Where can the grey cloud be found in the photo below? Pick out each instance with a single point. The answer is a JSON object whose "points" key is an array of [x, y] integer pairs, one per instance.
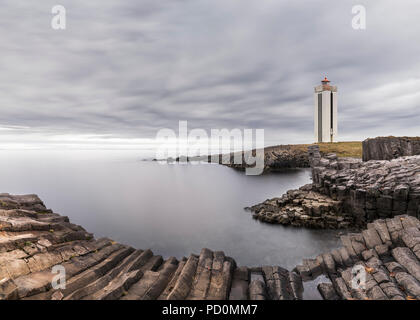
{"points": [[127, 69]]}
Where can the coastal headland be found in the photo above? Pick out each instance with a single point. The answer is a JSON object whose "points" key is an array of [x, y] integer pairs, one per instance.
{"points": [[278, 158]]}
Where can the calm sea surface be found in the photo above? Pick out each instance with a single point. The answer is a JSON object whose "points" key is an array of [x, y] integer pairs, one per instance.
{"points": [[173, 209]]}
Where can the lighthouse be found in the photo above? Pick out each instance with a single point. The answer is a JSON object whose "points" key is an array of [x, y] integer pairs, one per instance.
{"points": [[325, 115]]}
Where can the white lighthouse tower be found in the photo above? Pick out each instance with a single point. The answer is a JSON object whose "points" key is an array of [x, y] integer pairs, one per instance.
{"points": [[325, 115]]}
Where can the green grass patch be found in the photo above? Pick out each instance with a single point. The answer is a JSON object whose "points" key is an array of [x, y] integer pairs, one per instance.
{"points": [[342, 149]]}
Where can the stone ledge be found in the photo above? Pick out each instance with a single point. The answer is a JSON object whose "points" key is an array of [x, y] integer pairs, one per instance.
{"points": [[33, 240], [346, 192], [388, 250]]}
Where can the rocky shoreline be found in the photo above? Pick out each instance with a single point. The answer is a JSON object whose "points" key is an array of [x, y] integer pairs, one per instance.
{"points": [[386, 255], [276, 158], [303, 208], [33, 240], [347, 192]]}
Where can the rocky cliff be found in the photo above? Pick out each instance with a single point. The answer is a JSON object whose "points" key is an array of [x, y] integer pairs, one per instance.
{"points": [[278, 158], [348, 192], [373, 189], [275, 158], [387, 148]]}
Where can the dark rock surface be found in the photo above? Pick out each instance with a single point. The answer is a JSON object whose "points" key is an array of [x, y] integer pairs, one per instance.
{"points": [[387, 148]]}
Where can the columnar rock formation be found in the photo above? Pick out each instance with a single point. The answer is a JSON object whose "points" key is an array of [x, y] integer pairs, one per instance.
{"points": [[381, 263], [303, 208], [34, 239], [373, 189], [387, 148], [347, 191]]}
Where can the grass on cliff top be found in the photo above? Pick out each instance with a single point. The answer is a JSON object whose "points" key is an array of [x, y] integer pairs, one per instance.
{"points": [[341, 149]]}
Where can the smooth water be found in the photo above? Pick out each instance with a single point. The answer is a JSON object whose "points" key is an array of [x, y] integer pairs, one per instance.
{"points": [[173, 209]]}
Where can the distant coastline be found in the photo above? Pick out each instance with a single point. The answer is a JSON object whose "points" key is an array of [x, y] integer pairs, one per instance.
{"points": [[280, 157]]}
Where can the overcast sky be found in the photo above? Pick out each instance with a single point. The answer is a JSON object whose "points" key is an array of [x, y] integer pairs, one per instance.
{"points": [[122, 70]]}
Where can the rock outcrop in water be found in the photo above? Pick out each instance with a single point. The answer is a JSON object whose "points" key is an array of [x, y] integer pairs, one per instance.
{"points": [[373, 189], [385, 258], [303, 207], [34, 239], [387, 148], [348, 192]]}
